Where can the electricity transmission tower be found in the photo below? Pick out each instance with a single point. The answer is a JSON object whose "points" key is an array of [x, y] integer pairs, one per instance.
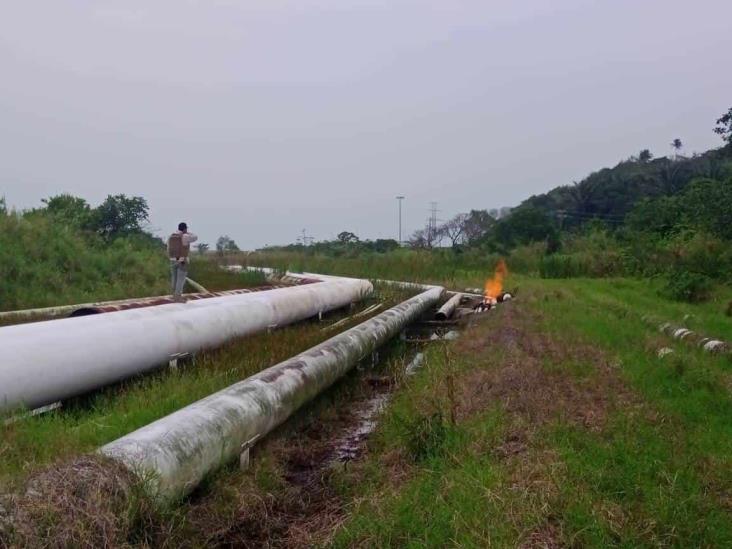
{"points": [[305, 239], [432, 223]]}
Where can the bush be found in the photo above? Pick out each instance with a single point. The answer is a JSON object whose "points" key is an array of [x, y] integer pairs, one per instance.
{"points": [[700, 252], [687, 286], [44, 263]]}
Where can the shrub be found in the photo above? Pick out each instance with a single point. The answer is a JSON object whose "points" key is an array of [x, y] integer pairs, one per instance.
{"points": [[560, 266], [687, 286], [700, 252], [45, 263]]}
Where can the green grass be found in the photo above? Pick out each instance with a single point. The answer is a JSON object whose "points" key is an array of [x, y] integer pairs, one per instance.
{"points": [[213, 278], [659, 473], [643, 297], [439, 266], [44, 264]]}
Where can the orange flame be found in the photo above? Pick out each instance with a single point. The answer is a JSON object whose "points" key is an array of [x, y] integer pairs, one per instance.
{"points": [[494, 286]]}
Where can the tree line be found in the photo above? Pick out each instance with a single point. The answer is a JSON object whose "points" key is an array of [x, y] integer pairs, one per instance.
{"points": [[640, 193]]}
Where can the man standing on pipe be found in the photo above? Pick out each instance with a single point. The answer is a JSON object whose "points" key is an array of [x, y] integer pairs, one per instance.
{"points": [[179, 247]]}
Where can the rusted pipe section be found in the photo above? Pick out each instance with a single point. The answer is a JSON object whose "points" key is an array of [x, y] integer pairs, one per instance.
{"points": [[120, 304], [179, 450], [47, 313], [111, 307], [44, 362], [447, 310], [65, 310]]}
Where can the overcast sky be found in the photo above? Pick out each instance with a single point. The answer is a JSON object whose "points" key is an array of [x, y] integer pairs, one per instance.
{"points": [[258, 118]]}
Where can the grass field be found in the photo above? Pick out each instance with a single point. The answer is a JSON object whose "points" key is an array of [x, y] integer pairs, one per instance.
{"points": [[569, 431], [551, 422]]}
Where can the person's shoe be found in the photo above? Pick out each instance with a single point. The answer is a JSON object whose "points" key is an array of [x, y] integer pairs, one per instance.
{"points": [[179, 299]]}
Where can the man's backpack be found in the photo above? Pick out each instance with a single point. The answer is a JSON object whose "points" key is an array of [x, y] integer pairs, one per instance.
{"points": [[176, 249]]}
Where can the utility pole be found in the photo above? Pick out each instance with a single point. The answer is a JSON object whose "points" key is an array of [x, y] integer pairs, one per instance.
{"points": [[400, 198], [432, 225]]}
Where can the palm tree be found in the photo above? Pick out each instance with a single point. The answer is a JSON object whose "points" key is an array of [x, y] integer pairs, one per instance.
{"points": [[677, 145], [582, 195]]}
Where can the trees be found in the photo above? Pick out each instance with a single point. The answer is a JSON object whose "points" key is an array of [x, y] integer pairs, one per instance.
{"points": [[582, 196], [704, 204], [524, 225], [655, 215], [645, 156], [346, 237], [707, 204], [671, 177], [202, 248], [420, 239], [225, 244], [454, 229], [70, 210], [724, 126], [477, 224], [676, 145], [119, 215], [383, 245]]}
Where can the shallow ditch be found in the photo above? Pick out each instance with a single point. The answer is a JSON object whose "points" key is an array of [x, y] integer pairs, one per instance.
{"points": [[324, 437]]}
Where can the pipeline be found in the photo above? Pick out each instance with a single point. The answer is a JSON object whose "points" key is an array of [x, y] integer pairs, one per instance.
{"points": [[177, 451], [111, 307], [80, 309], [447, 310], [273, 275], [44, 362], [708, 344], [196, 286]]}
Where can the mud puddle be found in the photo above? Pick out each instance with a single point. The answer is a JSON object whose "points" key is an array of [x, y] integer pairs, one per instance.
{"points": [[350, 445]]}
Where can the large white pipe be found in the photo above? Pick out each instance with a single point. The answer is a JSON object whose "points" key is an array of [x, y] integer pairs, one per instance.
{"points": [[44, 362], [177, 451]]}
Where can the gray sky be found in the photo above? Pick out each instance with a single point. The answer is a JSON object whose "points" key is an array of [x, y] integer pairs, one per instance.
{"points": [[259, 118]]}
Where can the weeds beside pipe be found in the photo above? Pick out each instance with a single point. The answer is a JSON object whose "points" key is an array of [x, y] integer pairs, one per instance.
{"points": [[179, 450]]}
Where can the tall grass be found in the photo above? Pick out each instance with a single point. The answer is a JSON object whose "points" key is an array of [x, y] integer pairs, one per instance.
{"points": [[44, 264], [454, 270]]}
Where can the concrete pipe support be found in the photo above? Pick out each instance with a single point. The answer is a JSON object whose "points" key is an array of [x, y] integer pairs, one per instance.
{"points": [[178, 450], [44, 362]]}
